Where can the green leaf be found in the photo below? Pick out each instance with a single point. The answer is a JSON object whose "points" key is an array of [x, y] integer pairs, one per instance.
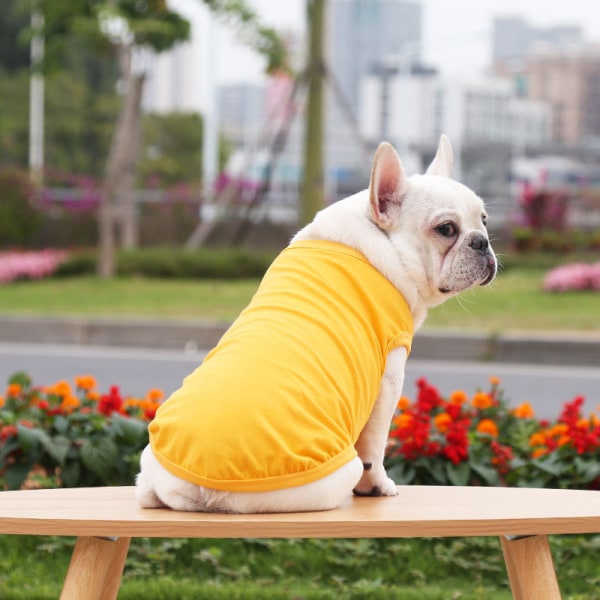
{"points": [[587, 470], [61, 424], [551, 465], [17, 473], [402, 473], [57, 447], [489, 475], [458, 474], [99, 456], [30, 437], [70, 474], [132, 431]]}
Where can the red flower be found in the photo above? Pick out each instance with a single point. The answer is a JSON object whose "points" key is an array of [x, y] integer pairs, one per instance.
{"points": [[110, 402], [428, 396]]}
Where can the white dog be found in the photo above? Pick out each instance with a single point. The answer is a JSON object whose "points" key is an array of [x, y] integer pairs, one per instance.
{"points": [[291, 410]]}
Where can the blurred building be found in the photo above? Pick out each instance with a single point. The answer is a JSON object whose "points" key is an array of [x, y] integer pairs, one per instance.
{"points": [[570, 83], [478, 112], [514, 39]]}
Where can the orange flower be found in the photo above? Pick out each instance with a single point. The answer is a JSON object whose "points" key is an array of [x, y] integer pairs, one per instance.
{"points": [[442, 422], [583, 424], [86, 382], [61, 388], [404, 403], [403, 421], [482, 400], [69, 403], [563, 440], [458, 397], [14, 389], [494, 380], [1, 401], [558, 430], [523, 411], [154, 395], [487, 427], [93, 395], [539, 452], [537, 439]]}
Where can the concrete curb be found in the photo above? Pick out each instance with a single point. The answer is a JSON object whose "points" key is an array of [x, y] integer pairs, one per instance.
{"points": [[574, 349]]}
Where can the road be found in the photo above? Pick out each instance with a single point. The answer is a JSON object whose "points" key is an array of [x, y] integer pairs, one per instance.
{"points": [[137, 370]]}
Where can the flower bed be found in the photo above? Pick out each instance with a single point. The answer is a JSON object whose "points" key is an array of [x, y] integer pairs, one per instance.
{"points": [[478, 440], [573, 277], [29, 265], [72, 435]]}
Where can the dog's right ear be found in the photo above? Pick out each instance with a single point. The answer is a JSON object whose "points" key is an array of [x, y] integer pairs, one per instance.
{"points": [[387, 186], [443, 159]]}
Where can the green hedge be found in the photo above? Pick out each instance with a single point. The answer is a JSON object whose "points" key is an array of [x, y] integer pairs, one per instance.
{"points": [[230, 263]]}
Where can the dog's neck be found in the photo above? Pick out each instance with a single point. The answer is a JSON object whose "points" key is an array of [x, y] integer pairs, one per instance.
{"points": [[348, 227]]}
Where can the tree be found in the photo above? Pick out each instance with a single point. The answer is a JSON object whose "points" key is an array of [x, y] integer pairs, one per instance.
{"points": [[313, 192], [127, 28]]}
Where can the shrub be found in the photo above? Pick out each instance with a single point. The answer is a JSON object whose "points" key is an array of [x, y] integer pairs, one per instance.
{"points": [[480, 441], [227, 263], [19, 219], [61, 435], [573, 277], [29, 265]]}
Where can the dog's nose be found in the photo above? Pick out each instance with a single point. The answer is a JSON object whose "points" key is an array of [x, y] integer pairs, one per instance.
{"points": [[479, 242]]}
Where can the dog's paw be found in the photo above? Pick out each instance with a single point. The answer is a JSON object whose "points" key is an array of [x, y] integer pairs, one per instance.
{"points": [[372, 484]]}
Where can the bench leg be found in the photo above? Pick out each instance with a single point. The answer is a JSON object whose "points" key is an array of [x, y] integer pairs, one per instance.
{"points": [[530, 568], [95, 569]]}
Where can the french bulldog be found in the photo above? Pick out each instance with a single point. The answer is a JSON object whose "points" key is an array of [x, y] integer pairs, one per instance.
{"points": [[291, 410]]}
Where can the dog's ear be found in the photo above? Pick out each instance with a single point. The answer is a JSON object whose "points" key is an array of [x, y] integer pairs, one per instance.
{"points": [[442, 161], [387, 186]]}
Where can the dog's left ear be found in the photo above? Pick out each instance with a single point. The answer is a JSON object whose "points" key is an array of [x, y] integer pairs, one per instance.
{"points": [[442, 161], [387, 186]]}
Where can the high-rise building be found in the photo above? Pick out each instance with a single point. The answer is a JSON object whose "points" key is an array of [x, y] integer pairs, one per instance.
{"points": [[364, 36], [514, 39]]}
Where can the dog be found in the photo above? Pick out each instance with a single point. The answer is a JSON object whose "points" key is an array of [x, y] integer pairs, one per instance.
{"points": [[291, 410]]}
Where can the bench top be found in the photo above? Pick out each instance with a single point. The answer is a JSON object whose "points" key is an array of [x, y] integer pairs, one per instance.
{"points": [[417, 511]]}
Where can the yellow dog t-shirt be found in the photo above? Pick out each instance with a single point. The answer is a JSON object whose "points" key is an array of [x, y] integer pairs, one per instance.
{"points": [[283, 397]]}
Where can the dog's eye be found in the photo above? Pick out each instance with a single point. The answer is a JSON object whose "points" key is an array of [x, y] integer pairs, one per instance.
{"points": [[447, 229], [484, 219]]}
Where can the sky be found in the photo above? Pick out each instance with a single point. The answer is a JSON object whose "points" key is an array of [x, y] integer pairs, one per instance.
{"points": [[456, 33]]}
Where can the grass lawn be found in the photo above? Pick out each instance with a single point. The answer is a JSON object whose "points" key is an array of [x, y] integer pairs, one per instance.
{"points": [[424, 569], [515, 301]]}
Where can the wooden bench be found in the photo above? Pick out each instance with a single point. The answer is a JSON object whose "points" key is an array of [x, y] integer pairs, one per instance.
{"points": [[105, 519]]}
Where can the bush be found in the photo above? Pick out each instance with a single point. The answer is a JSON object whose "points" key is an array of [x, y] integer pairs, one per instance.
{"points": [[29, 265], [72, 437], [229, 263], [480, 441], [19, 220]]}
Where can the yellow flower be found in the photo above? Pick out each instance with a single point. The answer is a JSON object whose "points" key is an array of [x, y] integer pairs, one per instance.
{"points": [[458, 397], [487, 427], [442, 422], [524, 411], [482, 400]]}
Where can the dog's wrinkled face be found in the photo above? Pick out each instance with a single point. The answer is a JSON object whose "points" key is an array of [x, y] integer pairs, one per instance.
{"points": [[436, 223]]}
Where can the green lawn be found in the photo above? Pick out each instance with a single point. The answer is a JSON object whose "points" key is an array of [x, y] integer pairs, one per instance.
{"points": [[424, 569], [515, 301]]}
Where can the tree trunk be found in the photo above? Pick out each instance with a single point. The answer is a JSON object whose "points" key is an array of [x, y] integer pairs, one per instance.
{"points": [[118, 201], [313, 191]]}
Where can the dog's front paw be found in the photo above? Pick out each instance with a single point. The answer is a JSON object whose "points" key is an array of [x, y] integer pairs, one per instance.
{"points": [[375, 484]]}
